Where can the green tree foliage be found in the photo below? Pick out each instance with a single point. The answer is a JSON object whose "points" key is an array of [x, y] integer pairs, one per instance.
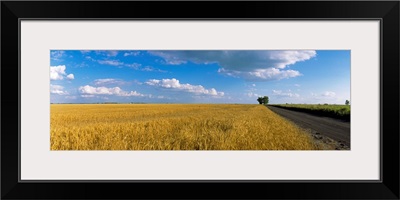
{"points": [[347, 102], [266, 100], [263, 100], [260, 100]]}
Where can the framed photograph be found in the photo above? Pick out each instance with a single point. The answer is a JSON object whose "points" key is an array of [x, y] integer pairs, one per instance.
{"points": [[247, 102]]}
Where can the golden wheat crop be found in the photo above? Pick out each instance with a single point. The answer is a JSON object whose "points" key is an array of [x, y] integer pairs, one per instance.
{"points": [[172, 127]]}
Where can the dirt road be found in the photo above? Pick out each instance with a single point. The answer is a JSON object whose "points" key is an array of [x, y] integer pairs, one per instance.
{"points": [[333, 128]]}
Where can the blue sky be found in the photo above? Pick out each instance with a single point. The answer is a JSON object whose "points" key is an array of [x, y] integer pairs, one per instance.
{"points": [[199, 76]]}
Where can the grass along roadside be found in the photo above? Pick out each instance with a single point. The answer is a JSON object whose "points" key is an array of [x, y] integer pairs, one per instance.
{"points": [[334, 111]]}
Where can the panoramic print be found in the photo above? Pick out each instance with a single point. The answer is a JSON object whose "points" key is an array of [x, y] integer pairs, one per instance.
{"points": [[199, 99]]}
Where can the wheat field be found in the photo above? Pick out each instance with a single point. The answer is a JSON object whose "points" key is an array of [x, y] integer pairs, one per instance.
{"points": [[173, 127]]}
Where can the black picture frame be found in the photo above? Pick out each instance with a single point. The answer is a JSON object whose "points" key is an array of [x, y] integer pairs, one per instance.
{"points": [[386, 11]]}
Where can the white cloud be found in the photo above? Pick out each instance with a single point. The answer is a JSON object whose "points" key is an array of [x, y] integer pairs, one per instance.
{"points": [[109, 81], [110, 62], [153, 82], [108, 53], [134, 65], [297, 85], [57, 72], [138, 66], [171, 57], [57, 89], [284, 94], [56, 55], [70, 77], [151, 69], [89, 90], [90, 58], [250, 65], [329, 94], [148, 69], [176, 85], [85, 51], [254, 85], [112, 53], [87, 95], [132, 53], [261, 74], [131, 93], [251, 94]]}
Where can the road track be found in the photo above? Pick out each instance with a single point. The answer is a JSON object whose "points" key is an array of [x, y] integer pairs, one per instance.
{"points": [[335, 129]]}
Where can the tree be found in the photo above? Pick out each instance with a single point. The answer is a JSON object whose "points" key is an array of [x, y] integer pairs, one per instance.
{"points": [[266, 100], [263, 100], [260, 100], [347, 102]]}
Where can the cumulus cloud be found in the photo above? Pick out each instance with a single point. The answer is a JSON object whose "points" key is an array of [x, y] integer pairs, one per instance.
{"points": [[70, 77], [284, 94], [85, 51], [176, 85], [57, 89], [58, 73], [117, 91], [250, 65]]}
